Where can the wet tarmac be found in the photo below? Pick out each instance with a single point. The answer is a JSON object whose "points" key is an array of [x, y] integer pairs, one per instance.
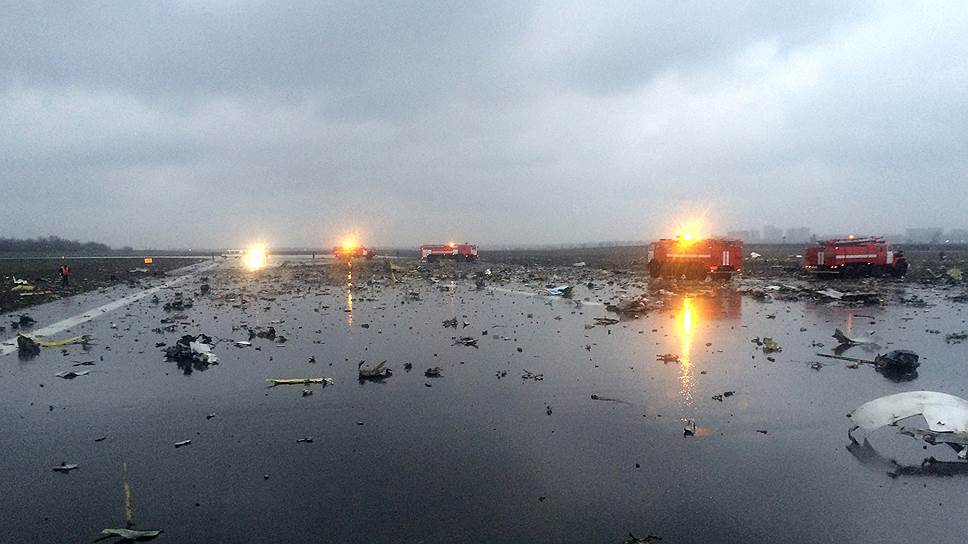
{"points": [[480, 453]]}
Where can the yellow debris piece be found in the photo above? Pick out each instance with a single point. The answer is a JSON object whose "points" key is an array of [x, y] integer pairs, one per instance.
{"points": [[54, 343]]}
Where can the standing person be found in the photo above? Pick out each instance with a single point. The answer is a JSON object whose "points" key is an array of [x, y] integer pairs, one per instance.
{"points": [[65, 274]]}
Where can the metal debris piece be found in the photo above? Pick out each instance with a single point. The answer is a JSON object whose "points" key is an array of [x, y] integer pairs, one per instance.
{"points": [[944, 413], [690, 428], [843, 339], [770, 346], [71, 374], [378, 372], [528, 375], [466, 341], [300, 381], [563, 290], [632, 539], [130, 535]]}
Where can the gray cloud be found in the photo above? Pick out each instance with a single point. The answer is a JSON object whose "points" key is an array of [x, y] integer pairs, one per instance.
{"points": [[193, 124]]}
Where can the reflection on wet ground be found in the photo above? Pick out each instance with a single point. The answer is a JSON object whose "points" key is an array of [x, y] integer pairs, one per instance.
{"points": [[349, 297], [485, 452]]}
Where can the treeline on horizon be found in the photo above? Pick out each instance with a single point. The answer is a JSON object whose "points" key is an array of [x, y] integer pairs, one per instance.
{"points": [[52, 245]]}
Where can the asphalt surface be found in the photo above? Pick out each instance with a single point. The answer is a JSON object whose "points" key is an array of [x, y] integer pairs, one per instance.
{"points": [[476, 456]]}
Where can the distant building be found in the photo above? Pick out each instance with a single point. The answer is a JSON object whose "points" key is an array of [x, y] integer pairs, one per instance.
{"points": [[747, 236], [797, 235], [957, 236], [772, 235], [923, 235]]}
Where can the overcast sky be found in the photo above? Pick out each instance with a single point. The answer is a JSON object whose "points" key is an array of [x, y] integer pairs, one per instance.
{"points": [[212, 124]]}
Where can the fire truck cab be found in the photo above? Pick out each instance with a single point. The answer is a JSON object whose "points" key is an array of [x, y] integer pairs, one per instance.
{"points": [[854, 257], [695, 259], [349, 252], [435, 252]]}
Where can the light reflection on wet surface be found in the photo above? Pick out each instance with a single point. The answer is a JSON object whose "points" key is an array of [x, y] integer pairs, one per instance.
{"points": [[349, 297], [686, 331]]}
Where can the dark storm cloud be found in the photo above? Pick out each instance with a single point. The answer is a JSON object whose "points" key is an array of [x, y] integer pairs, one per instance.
{"points": [[496, 122]]}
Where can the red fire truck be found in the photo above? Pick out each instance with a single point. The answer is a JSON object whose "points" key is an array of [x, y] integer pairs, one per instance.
{"points": [[695, 259], [348, 252], [854, 257], [434, 252]]}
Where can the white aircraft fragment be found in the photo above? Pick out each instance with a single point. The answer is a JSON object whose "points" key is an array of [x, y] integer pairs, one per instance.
{"points": [[944, 413], [559, 291]]}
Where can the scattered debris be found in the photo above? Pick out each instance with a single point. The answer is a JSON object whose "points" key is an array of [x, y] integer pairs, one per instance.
{"points": [[667, 358], [258, 332], [192, 352], [630, 306], [956, 337], [22, 322], [178, 303], [528, 375], [850, 298], [433, 372], [900, 364], [725, 394]]}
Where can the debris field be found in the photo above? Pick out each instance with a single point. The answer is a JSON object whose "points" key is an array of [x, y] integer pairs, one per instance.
{"points": [[392, 400]]}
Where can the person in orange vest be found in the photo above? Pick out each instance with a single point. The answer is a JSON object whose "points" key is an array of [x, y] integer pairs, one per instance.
{"points": [[65, 274]]}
